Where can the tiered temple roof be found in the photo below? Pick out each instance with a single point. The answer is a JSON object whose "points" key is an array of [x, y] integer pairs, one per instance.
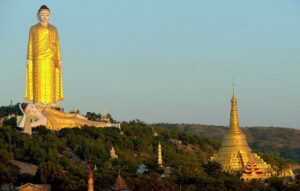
{"points": [[253, 171], [120, 184]]}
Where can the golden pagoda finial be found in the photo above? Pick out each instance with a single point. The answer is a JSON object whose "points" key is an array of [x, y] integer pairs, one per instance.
{"points": [[234, 119], [233, 87]]}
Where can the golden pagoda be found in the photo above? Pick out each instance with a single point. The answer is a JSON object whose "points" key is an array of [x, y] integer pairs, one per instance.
{"points": [[235, 153], [159, 156]]}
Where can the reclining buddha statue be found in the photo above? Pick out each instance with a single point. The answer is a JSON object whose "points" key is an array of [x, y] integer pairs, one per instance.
{"points": [[55, 119]]}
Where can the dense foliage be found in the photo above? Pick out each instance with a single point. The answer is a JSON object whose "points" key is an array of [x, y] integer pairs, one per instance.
{"points": [[61, 157]]}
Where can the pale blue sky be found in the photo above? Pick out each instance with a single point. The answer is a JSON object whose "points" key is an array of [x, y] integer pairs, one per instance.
{"points": [[166, 61]]}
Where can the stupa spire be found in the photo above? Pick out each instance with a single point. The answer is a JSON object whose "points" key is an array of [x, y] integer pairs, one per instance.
{"points": [[234, 119], [90, 177], [233, 87], [159, 157], [120, 184]]}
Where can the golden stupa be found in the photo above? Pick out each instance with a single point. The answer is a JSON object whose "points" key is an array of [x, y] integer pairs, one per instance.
{"points": [[235, 154]]}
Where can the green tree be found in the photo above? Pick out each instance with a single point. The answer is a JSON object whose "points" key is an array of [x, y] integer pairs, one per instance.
{"points": [[212, 168]]}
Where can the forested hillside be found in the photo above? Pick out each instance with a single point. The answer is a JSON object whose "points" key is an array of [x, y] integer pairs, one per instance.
{"points": [[61, 158], [269, 140]]}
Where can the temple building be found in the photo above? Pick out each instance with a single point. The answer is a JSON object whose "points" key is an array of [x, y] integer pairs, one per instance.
{"points": [[235, 154]]}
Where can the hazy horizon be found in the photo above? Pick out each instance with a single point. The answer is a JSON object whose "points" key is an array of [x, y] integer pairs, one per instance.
{"points": [[166, 61]]}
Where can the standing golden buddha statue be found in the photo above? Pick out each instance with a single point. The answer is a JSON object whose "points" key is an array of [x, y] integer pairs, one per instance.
{"points": [[44, 82], [43, 72]]}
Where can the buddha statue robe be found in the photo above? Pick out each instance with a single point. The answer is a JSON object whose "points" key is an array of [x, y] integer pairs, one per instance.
{"points": [[43, 74]]}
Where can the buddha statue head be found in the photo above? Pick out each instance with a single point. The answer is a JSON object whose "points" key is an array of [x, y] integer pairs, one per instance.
{"points": [[43, 14], [30, 109], [33, 113]]}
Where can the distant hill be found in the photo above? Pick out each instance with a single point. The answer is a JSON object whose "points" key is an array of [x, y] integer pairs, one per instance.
{"points": [[275, 140]]}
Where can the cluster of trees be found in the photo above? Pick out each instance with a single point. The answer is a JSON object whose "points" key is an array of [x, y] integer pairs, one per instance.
{"points": [[7, 110], [98, 117]]}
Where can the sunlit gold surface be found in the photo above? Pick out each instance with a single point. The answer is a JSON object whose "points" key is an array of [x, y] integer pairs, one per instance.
{"points": [[287, 172], [43, 75], [235, 152], [159, 157], [57, 120]]}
